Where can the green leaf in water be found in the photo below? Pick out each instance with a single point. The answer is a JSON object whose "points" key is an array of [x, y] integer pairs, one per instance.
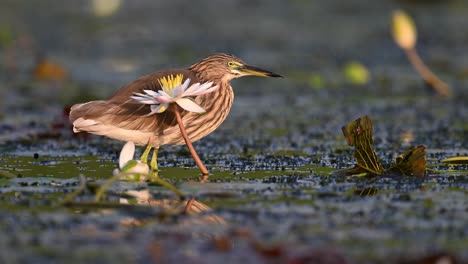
{"points": [[456, 160], [6, 174]]}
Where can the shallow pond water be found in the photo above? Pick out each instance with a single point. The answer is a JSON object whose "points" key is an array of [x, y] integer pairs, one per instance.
{"points": [[271, 196]]}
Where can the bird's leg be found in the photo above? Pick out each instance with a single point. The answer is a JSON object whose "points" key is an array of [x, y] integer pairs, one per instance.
{"points": [[144, 156], [154, 162], [189, 144]]}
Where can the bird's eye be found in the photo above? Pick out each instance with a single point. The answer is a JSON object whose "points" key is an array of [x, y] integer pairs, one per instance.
{"points": [[230, 64]]}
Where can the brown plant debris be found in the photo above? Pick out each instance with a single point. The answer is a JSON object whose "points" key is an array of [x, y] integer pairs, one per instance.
{"points": [[358, 133], [412, 162]]}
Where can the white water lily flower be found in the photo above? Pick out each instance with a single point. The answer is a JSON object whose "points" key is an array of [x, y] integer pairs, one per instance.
{"points": [[174, 91], [127, 164]]}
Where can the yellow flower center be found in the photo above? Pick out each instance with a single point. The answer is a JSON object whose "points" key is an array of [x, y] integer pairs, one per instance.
{"points": [[169, 82]]}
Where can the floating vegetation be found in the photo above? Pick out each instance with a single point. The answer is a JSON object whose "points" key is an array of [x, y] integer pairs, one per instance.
{"points": [[456, 160], [358, 134], [6, 174], [411, 163], [356, 73]]}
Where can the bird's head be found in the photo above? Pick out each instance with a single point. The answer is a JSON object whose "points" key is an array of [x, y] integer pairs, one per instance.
{"points": [[225, 67]]}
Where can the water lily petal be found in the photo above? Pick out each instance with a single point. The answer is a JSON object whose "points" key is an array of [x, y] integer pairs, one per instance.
{"points": [[189, 105], [192, 88], [203, 88], [158, 108], [164, 99], [166, 91], [177, 91], [206, 91], [206, 85], [144, 100], [185, 84], [126, 154], [200, 87], [144, 95], [163, 93], [151, 93]]}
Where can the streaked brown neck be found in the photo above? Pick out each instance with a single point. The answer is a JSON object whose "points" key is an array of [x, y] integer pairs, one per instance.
{"points": [[206, 72]]}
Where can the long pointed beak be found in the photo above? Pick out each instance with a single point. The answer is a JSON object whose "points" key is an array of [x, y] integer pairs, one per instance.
{"points": [[251, 70]]}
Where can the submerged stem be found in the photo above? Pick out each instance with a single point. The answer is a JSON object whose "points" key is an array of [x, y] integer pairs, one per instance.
{"points": [[71, 196], [168, 186], [102, 189]]}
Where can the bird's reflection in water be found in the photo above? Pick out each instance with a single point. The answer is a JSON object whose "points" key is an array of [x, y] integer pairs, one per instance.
{"points": [[199, 212]]}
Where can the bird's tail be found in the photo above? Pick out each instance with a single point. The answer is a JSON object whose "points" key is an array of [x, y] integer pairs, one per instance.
{"points": [[84, 115]]}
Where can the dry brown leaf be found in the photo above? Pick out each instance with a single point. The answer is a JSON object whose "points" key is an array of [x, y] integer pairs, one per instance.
{"points": [[358, 133], [410, 163]]}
